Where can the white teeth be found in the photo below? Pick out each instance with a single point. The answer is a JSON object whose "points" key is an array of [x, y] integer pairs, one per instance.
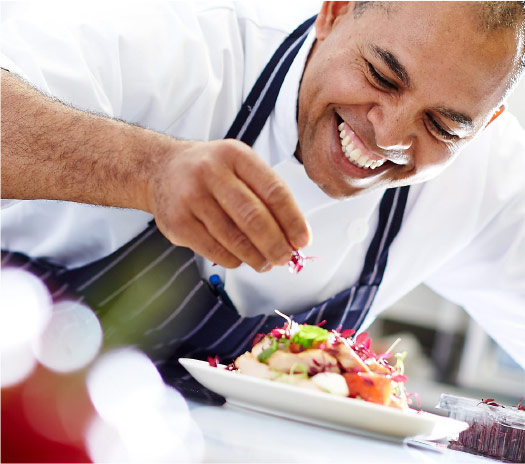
{"points": [[353, 153], [362, 160]]}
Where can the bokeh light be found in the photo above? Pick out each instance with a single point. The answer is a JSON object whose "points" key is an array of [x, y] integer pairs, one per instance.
{"points": [[123, 381], [72, 400], [25, 308], [17, 363], [72, 338], [140, 418]]}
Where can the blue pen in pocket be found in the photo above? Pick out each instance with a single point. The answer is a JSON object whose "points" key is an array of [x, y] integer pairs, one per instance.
{"points": [[218, 285]]}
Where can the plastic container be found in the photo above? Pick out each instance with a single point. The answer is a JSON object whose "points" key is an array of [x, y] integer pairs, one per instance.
{"points": [[497, 432]]}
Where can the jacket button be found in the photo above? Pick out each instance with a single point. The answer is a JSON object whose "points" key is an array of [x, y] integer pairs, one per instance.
{"points": [[358, 230]]}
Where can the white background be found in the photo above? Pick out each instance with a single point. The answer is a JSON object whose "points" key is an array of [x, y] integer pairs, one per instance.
{"points": [[517, 102]]}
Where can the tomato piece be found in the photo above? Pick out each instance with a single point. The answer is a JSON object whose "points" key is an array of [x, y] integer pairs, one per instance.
{"points": [[370, 387], [295, 347]]}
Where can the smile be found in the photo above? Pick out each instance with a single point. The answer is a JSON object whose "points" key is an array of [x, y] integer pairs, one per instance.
{"points": [[352, 152]]}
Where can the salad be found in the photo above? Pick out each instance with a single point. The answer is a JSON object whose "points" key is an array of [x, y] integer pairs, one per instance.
{"points": [[339, 363]]}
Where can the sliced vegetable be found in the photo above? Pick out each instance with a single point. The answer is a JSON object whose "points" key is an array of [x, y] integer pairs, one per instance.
{"points": [[308, 334], [370, 387], [263, 357]]}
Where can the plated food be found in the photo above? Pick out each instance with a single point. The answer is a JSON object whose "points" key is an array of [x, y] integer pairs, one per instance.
{"points": [[318, 408], [340, 363], [326, 378]]}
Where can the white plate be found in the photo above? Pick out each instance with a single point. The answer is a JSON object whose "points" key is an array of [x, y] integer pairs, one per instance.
{"points": [[320, 408]]}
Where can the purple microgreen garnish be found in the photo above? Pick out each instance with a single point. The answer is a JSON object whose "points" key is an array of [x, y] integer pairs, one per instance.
{"points": [[519, 406], [490, 402], [362, 339], [213, 361], [347, 333], [492, 438], [297, 261], [258, 337]]}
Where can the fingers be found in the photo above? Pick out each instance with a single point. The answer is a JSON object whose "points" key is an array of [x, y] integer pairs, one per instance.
{"points": [[227, 234], [219, 199], [278, 199], [201, 242], [259, 204], [251, 216]]}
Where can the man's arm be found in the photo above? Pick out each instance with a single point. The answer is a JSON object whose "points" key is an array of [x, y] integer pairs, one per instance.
{"points": [[52, 151], [218, 198]]}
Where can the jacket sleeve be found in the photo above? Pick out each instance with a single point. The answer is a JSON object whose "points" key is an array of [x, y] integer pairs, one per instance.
{"points": [[140, 63]]}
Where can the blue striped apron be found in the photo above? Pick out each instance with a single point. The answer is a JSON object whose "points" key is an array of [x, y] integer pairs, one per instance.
{"points": [[149, 293]]}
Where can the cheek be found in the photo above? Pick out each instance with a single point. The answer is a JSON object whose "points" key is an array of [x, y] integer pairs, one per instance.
{"points": [[346, 84], [333, 76]]}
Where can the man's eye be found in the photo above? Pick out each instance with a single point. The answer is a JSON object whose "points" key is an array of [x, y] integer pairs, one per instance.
{"points": [[441, 133], [379, 79]]}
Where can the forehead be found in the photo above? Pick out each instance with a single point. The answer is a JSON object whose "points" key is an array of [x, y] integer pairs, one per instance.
{"points": [[444, 48]]}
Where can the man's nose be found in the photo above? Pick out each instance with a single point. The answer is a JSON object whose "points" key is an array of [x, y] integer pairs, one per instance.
{"points": [[391, 128]]}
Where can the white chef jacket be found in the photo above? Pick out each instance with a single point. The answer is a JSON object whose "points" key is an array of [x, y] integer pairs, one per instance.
{"points": [[184, 69]]}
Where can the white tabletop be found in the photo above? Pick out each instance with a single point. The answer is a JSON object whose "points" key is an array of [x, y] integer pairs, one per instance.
{"points": [[233, 434]]}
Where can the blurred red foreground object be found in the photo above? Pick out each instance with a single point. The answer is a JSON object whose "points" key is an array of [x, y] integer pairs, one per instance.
{"points": [[44, 419]]}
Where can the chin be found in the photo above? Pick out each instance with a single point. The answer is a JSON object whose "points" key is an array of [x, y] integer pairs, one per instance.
{"points": [[332, 189], [338, 194]]}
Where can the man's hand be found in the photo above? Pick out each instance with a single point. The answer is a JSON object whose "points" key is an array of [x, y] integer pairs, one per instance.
{"points": [[222, 201], [217, 198]]}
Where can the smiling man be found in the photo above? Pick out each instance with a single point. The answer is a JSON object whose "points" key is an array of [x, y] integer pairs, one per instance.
{"points": [[340, 116], [410, 84]]}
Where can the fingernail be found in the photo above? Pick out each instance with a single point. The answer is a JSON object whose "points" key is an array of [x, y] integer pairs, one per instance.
{"points": [[266, 267], [304, 239]]}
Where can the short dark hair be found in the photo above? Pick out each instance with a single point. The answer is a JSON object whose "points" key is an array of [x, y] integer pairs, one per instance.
{"points": [[494, 15], [497, 15], [506, 15]]}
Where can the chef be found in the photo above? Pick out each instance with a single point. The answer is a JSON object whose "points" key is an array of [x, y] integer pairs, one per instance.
{"points": [[363, 140]]}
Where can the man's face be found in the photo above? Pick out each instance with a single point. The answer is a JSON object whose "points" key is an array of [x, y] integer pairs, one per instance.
{"points": [[388, 97]]}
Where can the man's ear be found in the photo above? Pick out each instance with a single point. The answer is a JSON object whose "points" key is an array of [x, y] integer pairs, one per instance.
{"points": [[327, 16], [496, 114]]}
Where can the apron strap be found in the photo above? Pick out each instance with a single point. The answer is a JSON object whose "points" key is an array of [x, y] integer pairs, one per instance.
{"points": [[261, 100]]}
